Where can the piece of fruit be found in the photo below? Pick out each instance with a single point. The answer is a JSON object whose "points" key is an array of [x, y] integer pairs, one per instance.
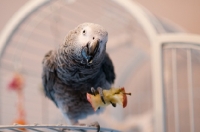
{"points": [[113, 95]]}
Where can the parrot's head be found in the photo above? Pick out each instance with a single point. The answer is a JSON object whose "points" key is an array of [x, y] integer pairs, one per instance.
{"points": [[88, 42]]}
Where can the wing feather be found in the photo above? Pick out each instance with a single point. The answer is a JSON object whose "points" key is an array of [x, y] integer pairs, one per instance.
{"points": [[108, 69], [49, 75]]}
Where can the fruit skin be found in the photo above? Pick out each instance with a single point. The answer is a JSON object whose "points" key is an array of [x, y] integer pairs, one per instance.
{"points": [[114, 95], [124, 99]]}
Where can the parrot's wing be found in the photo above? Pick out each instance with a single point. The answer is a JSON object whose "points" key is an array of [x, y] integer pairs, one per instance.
{"points": [[49, 76], [108, 69]]}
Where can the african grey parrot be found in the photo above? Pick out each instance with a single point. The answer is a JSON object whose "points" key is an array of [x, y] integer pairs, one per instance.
{"points": [[79, 64]]}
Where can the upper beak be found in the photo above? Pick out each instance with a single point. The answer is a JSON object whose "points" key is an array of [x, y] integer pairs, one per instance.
{"points": [[89, 51], [93, 47]]}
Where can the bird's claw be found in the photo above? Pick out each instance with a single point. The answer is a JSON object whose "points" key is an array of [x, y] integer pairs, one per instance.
{"points": [[93, 91], [113, 104], [100, 91], [95, 124]]}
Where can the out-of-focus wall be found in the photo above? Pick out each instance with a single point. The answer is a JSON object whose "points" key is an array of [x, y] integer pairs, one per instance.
{"points": [[7, 10], [185, 13]]}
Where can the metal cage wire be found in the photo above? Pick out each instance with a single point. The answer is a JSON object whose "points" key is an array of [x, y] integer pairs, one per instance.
{"points": [[53, 128]]}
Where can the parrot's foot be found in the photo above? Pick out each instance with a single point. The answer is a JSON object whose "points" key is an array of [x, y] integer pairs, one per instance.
{"points": [[95, 124], [79, 130], [100, 91], [94, 92]]}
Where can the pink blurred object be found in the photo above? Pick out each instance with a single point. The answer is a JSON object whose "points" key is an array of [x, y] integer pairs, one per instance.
{"points": [[17, 83]]}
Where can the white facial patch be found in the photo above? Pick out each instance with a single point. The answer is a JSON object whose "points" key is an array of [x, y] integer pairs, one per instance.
{"points": [[85, 36], [90, 34]]}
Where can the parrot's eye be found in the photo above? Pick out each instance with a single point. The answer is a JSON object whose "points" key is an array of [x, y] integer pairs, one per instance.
{"points": [[84, 32]]}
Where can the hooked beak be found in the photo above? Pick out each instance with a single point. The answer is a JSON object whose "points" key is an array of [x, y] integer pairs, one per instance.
{"points": [[89, 51]]}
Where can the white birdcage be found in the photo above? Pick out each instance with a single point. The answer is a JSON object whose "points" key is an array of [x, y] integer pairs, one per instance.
{"points": [[153, 59]]}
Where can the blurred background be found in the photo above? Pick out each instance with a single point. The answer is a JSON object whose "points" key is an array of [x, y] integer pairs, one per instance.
{"points": [[129, 46], [185, 13]]}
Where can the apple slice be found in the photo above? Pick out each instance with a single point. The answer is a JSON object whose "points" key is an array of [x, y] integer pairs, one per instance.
{"points": [[114, 95]]}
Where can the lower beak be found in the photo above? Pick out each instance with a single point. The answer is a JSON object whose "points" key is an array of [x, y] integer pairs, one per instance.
{"points": [[89, 51]]}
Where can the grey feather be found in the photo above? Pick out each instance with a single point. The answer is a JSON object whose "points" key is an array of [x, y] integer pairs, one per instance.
{"points": [[68, 76]]}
